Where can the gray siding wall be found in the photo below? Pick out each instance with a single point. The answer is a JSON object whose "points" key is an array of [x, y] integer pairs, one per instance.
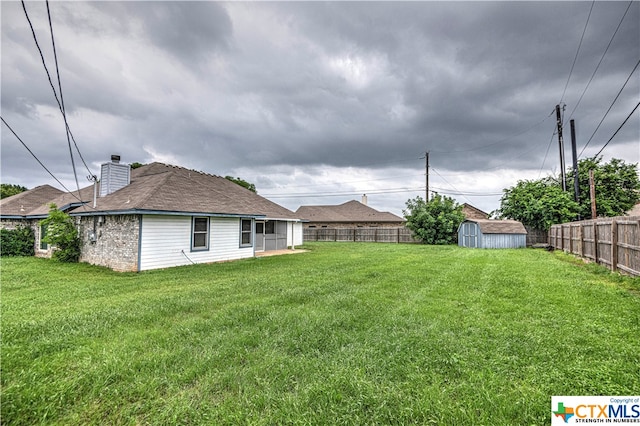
{"points": [[498, 241], [114, 176]]}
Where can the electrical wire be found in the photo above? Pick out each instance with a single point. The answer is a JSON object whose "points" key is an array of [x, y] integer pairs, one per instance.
{"points": [[64, 114], [451, 185], [55, 94], [600, 62], [616, 132], [495, 143], [610, 106], [577, 51], [546, 153], [37, 159]]}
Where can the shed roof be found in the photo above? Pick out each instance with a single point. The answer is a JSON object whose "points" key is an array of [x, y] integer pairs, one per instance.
{"points": [[493, 226], [351, 211]]}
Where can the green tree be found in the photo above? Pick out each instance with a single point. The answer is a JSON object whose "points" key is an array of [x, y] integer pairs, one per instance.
{"points": [[62, 234], [617, 186], [135, 165], [8, 189], [251, 187], [538, 203], [435, 221]]}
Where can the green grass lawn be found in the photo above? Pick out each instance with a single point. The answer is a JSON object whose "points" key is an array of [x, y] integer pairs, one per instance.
{"points": [[343, 334]]}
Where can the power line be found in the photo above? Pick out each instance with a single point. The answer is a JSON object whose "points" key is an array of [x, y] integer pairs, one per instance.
{"points": [[603, 55], [547, 152], [616, 132], [577, 51], [456, 189], [496, 143], [64, 114], [55, 94], [344, 193], [610, 106], [37, 159]]}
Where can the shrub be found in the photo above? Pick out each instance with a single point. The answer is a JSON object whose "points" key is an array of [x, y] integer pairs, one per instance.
{"points": [[17, 242], [63, 235]]}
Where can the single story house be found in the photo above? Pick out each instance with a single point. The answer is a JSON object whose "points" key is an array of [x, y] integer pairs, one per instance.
{"points": [[490, 233], [159, 216], [352, 214]]}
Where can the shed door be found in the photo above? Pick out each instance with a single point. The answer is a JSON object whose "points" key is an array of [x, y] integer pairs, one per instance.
{"points": [[470, 234]]}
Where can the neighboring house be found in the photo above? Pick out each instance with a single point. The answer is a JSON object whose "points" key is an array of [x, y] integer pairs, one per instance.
{"points": [[635, 211], [489, 233], [352, 214], [471, 212], [159, 216]]}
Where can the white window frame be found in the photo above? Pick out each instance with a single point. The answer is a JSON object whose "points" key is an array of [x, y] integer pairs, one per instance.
{"points": [[206, 233], [248, 232]]}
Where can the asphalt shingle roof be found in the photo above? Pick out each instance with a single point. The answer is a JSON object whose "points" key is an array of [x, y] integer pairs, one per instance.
{"points": [[351, 211], [165, 188], [23, 203], [493, 226]]}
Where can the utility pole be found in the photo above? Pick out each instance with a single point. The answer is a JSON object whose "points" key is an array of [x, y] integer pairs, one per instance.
{"points": [[576, 184], [426, 166], [561, 143]]}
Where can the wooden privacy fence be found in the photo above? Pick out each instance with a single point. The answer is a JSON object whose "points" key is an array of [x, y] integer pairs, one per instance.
{"points": [[611, 241], [373, 235]]}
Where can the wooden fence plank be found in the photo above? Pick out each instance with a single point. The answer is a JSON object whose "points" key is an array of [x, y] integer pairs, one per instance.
{"points": [[614, 242]]}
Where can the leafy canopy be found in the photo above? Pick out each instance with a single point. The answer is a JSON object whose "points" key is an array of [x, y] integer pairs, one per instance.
{"points": [[62, 234], [251, 187], [542, 203], [538, 203], [617, 186], [9, 189], [435, 221]]}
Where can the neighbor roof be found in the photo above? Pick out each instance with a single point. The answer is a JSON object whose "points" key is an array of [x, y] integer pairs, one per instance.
{"points": [[351, 211], [493, 226], [23, 203], [158, 187]]}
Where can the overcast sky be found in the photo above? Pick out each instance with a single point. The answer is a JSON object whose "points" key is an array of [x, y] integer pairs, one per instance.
{"points": [[319, 103]]}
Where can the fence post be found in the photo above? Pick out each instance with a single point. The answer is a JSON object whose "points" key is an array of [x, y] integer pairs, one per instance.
{"points": [[596, 255], [614, 245]]}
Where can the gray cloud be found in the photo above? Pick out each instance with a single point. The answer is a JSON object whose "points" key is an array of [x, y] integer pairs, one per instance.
{"points": [[333, 91]]}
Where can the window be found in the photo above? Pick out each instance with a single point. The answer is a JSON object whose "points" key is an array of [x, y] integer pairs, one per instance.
{"points": [[43, 233], [245, 233], [200, 233]]}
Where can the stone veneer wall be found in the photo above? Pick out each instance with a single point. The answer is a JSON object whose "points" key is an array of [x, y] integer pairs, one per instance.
{"points": [[115, 244]]}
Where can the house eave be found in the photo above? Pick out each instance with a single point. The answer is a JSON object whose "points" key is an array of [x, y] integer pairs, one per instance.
{"points": [[165, 212]]}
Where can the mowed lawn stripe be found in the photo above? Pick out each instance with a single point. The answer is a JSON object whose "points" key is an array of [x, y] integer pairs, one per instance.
{"points": [[347, 333]]}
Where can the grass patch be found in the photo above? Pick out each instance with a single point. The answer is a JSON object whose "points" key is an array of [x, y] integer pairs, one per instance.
{"points": [[344, 334]]}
